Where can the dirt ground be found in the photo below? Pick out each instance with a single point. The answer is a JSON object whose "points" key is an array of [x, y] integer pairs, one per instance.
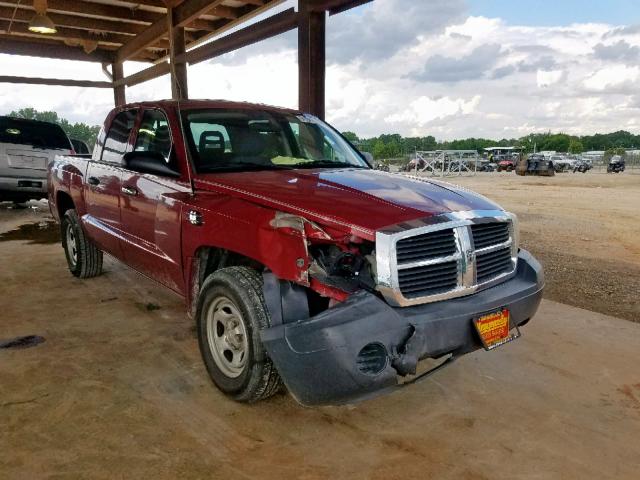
{"points": [[118, 390], [584, 228]]}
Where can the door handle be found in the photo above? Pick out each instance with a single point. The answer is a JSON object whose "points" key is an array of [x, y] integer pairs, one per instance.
{"points": [[93, 181], [129, 190]]}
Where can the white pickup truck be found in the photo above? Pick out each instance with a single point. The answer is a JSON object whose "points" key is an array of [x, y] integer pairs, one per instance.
{"points": [[26, 149]]}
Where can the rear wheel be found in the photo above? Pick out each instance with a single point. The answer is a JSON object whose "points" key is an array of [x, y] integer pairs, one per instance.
{"points": [[83, 257], [231, 312]]}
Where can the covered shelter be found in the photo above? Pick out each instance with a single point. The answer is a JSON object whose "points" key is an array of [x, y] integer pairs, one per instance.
{"points": [[167, 34]]}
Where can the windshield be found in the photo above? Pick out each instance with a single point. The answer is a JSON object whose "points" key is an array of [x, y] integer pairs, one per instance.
{"points": [[37, 134], [234, 140]]}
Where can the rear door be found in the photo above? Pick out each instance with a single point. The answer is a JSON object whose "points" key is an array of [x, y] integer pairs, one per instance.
{"points": [[151, 207], [103, 184]]}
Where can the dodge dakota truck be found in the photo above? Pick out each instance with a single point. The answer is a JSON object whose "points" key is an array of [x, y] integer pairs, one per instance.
{"points": [[300, 263]]}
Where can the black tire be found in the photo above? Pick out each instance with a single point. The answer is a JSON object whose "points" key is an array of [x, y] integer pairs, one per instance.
{"points": [[257, 378], [83, 257]]}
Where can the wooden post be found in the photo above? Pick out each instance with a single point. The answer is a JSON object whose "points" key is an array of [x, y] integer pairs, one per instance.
{"points": [[117, 72], [179, 85], [311, 60]]}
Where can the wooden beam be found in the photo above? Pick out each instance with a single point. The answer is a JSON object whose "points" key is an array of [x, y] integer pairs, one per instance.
{"points": [[245, 13], [223, 11], [183, 14], [54, 81], [156, 3], [119, 94], [190, 10], [179, 84], [141, 41], [101, 10], [66, 33], [311, 59], [74, 21], [270, 27], [144, 75], [348, 5], [36, 47], [333, 6]]}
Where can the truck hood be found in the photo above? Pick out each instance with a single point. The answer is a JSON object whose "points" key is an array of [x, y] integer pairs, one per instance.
{"points": [[360, 200]]}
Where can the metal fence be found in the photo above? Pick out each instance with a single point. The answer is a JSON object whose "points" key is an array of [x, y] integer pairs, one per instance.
{"points": [[443, 163], [632, 163]]}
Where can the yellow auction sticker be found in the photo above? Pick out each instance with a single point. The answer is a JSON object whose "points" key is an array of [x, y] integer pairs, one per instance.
{"points": [[493, 328]]}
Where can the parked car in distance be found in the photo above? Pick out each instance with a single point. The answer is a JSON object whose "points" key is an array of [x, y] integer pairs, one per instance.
{"points": [[616, 164], [80, 147], [535, 164], [413, 165], [563, 163], [299, 262], [582, 165], [507, 164], [26, 148]]}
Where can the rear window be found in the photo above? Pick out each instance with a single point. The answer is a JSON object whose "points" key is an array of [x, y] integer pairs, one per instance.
{"points": [[36, 134]]}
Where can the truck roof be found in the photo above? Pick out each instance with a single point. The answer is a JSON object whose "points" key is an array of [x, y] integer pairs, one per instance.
{"points": [[207, 103]]}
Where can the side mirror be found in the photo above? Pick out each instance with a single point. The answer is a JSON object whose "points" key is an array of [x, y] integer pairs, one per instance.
{"points": [[368, 157], [149, 162]]}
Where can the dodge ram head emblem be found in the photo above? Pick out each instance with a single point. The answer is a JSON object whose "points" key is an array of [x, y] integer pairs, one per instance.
{"points": [[470, 255]]}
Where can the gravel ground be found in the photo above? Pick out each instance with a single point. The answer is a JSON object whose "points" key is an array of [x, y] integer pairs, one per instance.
{"points": [[584, 228], [118, 389]]}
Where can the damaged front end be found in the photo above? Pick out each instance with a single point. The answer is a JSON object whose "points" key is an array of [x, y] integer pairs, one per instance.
{"points": [[362, 346], [336, 263]]}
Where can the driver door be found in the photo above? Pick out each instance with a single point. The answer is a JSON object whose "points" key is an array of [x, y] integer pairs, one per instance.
{"points": [[150, 208], [103, 181]]}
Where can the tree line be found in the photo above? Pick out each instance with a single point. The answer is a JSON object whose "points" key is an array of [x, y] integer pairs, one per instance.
{"points": [[395, 145]]}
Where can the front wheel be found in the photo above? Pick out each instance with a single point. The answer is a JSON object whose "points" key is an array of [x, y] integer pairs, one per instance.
{"points": [[83, 257], [230, 314]]}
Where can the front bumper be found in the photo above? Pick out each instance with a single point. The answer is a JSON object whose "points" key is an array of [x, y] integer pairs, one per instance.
{"points": [[317, 357]]}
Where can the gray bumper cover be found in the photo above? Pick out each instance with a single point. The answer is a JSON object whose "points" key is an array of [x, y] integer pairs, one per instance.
{"points": [[317, 357]]}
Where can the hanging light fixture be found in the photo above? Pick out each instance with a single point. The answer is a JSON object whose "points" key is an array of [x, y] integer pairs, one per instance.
{"points": [[41, 23]]}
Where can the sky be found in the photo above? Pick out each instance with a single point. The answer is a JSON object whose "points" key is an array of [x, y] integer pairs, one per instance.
{"points": [[447, 68]]}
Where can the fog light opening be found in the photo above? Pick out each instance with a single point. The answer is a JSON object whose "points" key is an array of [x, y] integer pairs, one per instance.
{"points": [[372, 359]]}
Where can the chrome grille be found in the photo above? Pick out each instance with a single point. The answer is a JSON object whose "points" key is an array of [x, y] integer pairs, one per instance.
{"points": [[423, 247], [491, 264], [428, 280], [445, 256], [486, 234]]}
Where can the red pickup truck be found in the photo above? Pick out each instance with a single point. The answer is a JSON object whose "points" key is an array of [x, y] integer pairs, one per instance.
{"points": [[300, 263]]}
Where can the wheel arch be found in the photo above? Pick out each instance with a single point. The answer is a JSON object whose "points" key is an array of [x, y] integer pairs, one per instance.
{"points": [[64, 202], [207, 259]]}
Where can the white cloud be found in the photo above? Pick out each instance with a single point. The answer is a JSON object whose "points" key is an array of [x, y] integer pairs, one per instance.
{"points": [[425, 110], [430, 70], [547, 78], [612, 76]]}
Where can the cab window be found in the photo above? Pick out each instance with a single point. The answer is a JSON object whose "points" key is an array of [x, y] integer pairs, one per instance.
{"points": [[115, 144], [154, 134]]}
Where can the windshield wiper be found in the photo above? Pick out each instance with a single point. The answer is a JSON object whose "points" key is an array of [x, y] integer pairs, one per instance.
{"points": [[245, 166], [327, 163]]}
